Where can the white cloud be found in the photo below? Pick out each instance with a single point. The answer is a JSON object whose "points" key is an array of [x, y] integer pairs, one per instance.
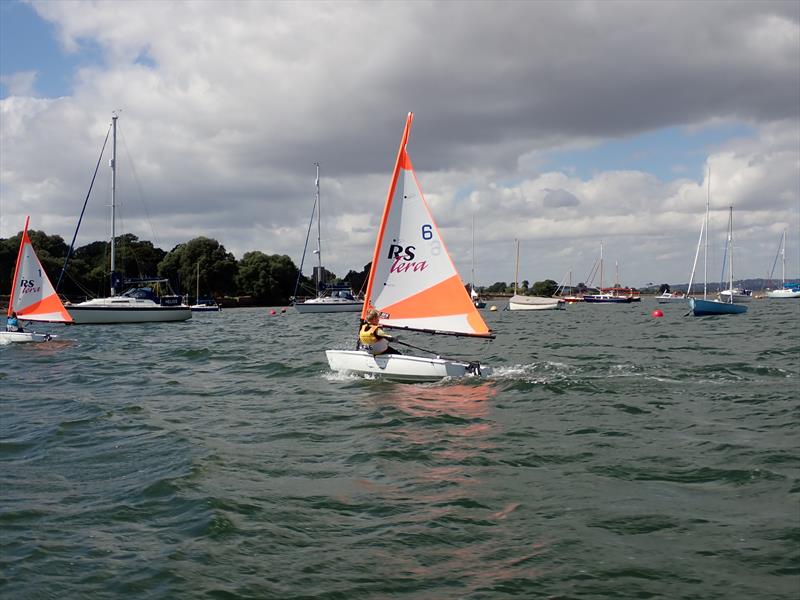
{"points": [[233, 102]]}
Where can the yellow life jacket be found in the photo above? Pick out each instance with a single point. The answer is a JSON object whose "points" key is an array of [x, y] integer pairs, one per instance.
{"points": [[368, 334]]}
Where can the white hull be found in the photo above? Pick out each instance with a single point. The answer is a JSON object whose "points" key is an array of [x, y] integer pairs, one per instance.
{"points": [[738, 298], [400, 367], [783, 294], [11, 337], [204, 308], [535, 303], [670, 299], [327, 306], [122, 309]]}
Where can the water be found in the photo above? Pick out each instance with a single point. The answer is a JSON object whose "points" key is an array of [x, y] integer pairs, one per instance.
{"points": [[611, 455]]}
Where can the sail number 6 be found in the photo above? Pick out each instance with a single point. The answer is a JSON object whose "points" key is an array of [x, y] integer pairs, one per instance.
{"points": [[427, 232]]}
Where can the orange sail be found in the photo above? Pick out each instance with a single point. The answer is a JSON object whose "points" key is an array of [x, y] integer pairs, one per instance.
{"points": [[33, 297], [413, 282]]}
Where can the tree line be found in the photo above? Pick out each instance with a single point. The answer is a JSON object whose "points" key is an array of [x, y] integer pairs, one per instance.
{"points": [[257, 279]]}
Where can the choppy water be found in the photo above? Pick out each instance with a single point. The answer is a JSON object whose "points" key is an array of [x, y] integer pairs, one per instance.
{"points": [[612, 455]]}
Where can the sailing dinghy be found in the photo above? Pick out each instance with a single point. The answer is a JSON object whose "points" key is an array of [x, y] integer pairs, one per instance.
{"points": [[33, 297], [414, 285]]}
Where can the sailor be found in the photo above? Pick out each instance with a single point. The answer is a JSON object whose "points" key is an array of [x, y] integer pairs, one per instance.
{"points": [[372, 338], [12, 323]]}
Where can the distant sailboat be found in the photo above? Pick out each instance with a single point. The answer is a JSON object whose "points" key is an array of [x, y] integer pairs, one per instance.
{"points": [[613, 295], [414, 286], [138, 304], [334, 298], [523, 302], [706, 307], [33, 297], [208, 305], [786, 291]]}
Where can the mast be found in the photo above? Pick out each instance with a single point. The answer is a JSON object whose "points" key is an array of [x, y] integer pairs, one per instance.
{"points": [[516, 270], [472, 279], [730, 245], [705, 246], [783, 259], [319, 236], [113, 165], [601, 266], [197, 294]]}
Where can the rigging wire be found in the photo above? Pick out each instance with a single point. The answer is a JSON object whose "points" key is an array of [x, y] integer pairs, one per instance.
{"points": [[83, 210], [305, 248]]}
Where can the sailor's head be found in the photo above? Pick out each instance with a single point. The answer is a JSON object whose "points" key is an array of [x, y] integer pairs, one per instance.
{"points": [[372, 316], [13, 314]]}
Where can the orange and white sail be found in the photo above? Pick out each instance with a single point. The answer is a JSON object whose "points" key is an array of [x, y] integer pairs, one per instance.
{"points": [[413, 282], [33, 297]]}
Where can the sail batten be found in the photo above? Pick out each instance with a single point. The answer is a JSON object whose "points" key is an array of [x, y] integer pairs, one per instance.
{"points": [[413, 282]]}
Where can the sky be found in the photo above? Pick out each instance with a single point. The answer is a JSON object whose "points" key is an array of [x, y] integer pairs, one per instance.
{"points": [[564, 125]]}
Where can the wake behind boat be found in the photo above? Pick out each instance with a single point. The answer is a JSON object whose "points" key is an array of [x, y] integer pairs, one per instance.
{"points": [[414, 286]]}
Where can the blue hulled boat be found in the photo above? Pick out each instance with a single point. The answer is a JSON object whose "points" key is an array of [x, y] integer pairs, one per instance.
{"points": [[704, 308]]}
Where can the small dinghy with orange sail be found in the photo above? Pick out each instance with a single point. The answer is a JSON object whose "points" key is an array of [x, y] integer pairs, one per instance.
{"points": [[33, 297], [414, 286]]}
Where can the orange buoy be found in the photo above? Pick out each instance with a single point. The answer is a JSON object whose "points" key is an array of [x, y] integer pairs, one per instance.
{"points": [[657, 313]]}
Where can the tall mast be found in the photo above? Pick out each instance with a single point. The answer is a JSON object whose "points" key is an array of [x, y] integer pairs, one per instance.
{"points": [[730, 245], [783, 259], [516, 270], [197, 295], [601, 266], [472, 284], [705, 246], [113, 165], [319, 235]]}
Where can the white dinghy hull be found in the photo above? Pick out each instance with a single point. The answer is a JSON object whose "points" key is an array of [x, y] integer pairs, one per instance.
{"points": [[10, 337], [401, 367]]}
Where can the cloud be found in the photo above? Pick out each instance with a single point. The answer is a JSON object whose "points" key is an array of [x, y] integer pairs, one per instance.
{"points": [[21, 83], [226, 106]]}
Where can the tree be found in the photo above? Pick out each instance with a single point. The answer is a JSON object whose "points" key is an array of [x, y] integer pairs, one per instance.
{"points": [[218, 267], [498, 287], [268, 279], [358, 281], [664, 289], [547, 288]]}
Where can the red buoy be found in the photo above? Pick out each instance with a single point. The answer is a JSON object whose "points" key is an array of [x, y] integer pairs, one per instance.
{"points": [[272, 312], [657, 313]]}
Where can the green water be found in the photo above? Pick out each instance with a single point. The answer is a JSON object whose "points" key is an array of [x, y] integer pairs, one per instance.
{"points": [[611, 455]]}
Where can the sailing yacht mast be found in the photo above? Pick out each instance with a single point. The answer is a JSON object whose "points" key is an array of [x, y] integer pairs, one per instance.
{"points": [[319, 236], [705, 246], [113, 165], [516, 270], [730, 245], [601, 266]]}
